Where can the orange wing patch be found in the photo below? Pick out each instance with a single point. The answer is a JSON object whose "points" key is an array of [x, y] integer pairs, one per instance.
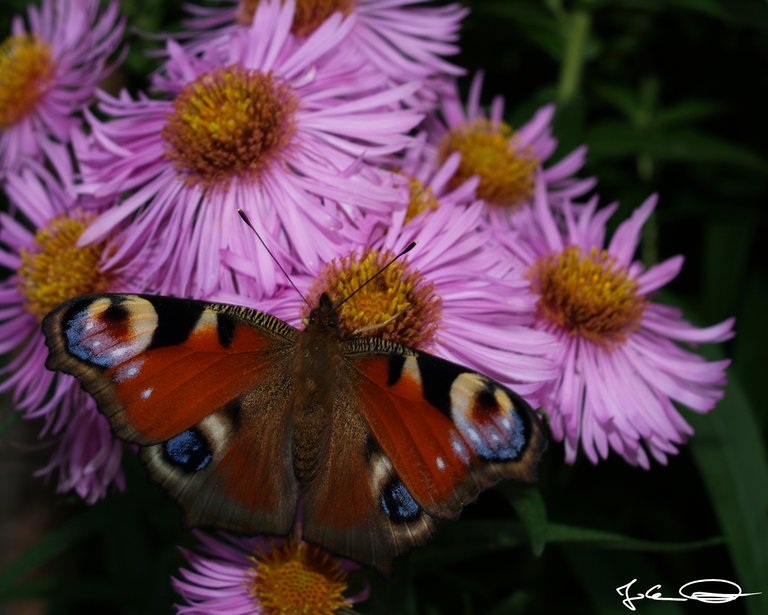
{"points": [[158, 365], [427, 451], [155, 386]]}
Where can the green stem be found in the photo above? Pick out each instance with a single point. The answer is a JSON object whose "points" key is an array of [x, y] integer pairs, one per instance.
{"points": [[576, 37]]}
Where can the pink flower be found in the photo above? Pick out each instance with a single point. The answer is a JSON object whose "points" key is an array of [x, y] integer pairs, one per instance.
{"points": [[39, 247], [237, 576], [278, 127], [505, 161], [433, 185], [402, 39], [49, 72], [455, 295], [621, 364], [86, 456]]}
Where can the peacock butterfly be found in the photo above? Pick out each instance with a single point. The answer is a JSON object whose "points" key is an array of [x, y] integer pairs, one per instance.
{"points": [[257, 427]]}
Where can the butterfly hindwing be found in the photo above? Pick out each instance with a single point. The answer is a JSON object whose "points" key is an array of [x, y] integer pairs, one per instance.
{"points": [[356, 505], [197, 385], [430, 436]]}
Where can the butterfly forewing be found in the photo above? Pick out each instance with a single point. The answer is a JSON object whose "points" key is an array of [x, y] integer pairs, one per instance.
{"points": [[203, 387]]}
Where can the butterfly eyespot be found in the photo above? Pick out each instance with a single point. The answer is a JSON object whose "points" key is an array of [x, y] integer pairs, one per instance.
{"points": [[485, 401], [189, 451], [104, 332], [398, 504], [115, 313], [502, 440]]}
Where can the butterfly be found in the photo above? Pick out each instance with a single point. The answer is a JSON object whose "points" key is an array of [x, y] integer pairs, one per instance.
{"points": [[255, 426]]}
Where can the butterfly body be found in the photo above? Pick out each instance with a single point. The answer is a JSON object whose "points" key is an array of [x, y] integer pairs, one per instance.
{"points": [[255, 426]]}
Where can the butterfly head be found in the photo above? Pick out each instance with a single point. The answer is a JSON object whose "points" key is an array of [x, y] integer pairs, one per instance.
{"points": [[324, 315]]}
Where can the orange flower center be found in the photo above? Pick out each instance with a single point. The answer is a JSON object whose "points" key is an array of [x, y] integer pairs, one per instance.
{"points": [[229, 123], [398, 304], [506, 172], [26, 69], [298, 578], [56, 269], [308, 17], [588, 295], [421, 199]]}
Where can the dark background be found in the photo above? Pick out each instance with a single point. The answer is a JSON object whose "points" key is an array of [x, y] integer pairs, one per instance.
{"points": [[670, 96]]}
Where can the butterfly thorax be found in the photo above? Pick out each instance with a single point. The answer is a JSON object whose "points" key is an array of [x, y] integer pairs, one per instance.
{"points": [[316, 372]]}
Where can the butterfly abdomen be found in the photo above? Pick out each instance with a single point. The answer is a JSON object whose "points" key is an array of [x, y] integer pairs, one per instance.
{"points": [[316, 378]]}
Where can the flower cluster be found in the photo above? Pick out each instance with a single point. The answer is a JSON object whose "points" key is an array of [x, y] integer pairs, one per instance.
{"points": [[339, 129]]}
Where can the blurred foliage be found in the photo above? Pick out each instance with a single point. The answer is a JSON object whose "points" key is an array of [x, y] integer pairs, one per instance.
{"points": [[670, 97]]}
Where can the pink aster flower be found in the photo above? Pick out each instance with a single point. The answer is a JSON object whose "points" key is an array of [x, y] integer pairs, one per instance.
{"points": [[455, 295], [506, 162], [431, 184], [49, 72], [262, 575], [267, 123], [86, 455], [403, 39], [38, 246], [621, 363]]}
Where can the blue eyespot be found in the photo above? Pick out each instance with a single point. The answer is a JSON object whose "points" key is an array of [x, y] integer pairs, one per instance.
{"points": [[398, 504], [84, 342], [189, 451], [501, 440], [518, 435]]}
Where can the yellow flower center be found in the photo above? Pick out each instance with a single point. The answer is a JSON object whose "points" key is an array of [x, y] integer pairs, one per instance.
{"points": [[398, 304], [229, 123], [56, 269], [505, 171], [421, 199], [588, 295], [298, 578], [308, 17], [26, 69]]}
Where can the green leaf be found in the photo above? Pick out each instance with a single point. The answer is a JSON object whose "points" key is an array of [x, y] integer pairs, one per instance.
{"points": [[749, 350], [467, 539], [529, 505], [567, 534], [612, 139], [727, 250], [732, 459], [623, 99], [687, 112]]}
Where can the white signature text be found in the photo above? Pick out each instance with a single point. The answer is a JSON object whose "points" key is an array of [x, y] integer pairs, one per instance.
{"points": [[732, 591]]}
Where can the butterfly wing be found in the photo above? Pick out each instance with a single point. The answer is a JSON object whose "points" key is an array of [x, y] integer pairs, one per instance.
{"points": [[415, 439], [201, 387]]}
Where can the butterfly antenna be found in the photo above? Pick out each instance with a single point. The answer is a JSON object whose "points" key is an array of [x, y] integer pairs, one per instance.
{"points": [[241, 213], [403, 252]]}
